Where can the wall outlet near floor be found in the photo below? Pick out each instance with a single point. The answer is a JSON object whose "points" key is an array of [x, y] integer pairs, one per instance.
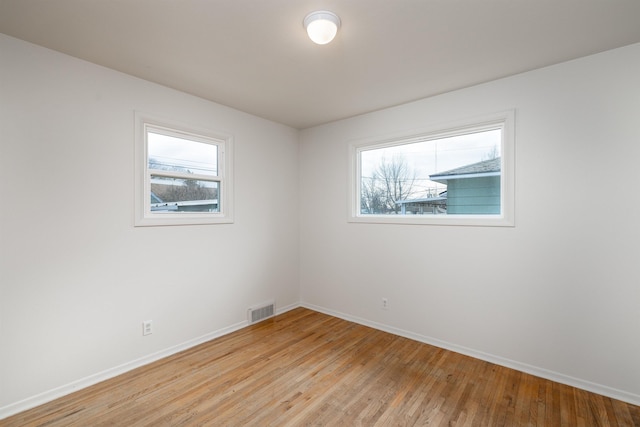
{"points": [[147, 327], [385, 304]]}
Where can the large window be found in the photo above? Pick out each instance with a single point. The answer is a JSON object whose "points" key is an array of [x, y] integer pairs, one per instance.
{"points": [[457, 175], [182, 174]]}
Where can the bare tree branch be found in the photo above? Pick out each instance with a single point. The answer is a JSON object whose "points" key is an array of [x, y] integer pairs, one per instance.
{"points": [[392, 180]]}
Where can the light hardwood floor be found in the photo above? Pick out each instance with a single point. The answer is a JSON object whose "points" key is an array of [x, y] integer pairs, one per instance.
{"points": [[307, 368]]}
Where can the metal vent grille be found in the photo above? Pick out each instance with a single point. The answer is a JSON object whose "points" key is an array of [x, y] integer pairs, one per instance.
{"points": [[262, 312]]}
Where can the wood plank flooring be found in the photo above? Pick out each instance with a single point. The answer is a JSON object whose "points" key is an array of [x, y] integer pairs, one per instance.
{"points": [[305, 368]]}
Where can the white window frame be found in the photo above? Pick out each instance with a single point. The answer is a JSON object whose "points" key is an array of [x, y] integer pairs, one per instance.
{"points": [[503, 120], [143, 214]]}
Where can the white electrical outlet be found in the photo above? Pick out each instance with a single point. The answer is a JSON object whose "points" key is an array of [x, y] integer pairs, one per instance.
{"points": [[385, 304], [147, 327]]}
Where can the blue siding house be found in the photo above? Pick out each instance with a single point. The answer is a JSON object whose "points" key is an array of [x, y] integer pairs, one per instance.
{"points": [[472, 189]]}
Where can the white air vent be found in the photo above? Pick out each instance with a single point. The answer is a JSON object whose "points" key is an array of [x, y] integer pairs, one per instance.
{"points": [[261, 312]]}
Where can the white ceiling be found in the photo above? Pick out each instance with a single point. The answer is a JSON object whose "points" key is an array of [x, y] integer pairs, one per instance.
{"points": [[254, 55]]}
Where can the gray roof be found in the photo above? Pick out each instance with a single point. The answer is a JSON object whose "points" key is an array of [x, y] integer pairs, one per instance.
{"points": [[423, 200], [486, 168]]}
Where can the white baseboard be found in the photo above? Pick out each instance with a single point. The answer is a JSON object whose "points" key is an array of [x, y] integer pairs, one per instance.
{"points": [[58, 392], [603, 390], [48, 396]]}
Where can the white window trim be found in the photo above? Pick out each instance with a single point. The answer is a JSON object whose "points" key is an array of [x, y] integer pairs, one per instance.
{"points": [[143, 214], [506, 218]]}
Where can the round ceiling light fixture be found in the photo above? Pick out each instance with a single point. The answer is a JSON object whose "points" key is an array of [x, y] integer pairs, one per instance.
{"points": [[321, 26]]}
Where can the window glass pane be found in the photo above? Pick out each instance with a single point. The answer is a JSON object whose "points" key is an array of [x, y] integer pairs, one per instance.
{"points": [[183, 155], [453, 175], [173, 195]]}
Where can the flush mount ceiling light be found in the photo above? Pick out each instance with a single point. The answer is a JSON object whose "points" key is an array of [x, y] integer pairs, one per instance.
{"points": [[322, 26]]}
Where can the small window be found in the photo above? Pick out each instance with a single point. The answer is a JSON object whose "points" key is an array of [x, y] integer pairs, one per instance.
{"points": [[182, 175], [462, 175]]}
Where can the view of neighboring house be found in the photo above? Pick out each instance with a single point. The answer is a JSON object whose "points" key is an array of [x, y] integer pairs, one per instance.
{"points": [[431, 204], [185, 206], [162, 200], [471, 189]]}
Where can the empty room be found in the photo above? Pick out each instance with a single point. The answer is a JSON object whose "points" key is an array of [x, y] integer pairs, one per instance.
{"points": [[340, 212]]}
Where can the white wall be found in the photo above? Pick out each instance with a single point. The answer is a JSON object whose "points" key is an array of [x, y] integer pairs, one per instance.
{"points": [[558, 294], [77, 279]]}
